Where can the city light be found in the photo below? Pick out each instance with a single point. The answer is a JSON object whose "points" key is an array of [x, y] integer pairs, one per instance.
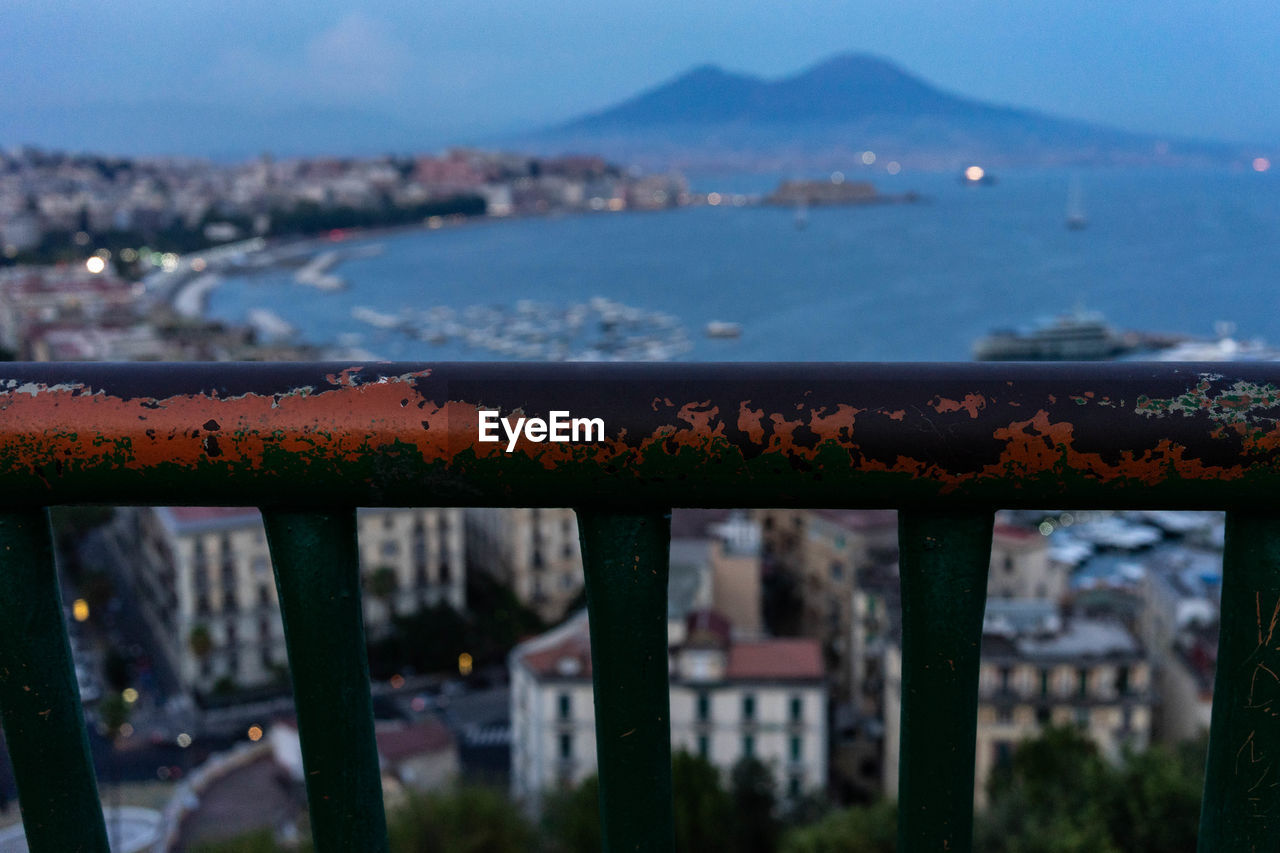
{"points": [[129, 695], [397, 681], [837, 177], [974, 173], [894, 167], [868, 157], [1261, 164], [198, 265], [713, 199], [464, 664], [184, 740], [126, 730], [80, 610], [255, 733], [128, 255], [95, 265]]}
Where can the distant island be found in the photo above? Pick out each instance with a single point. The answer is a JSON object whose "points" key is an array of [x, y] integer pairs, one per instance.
{"points": [[835, 112]]}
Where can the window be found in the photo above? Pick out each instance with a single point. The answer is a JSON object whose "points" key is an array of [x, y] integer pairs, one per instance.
{"points": [[1002, 753], [1083, 675], [1005, 672], [566, 706], [749, 707], [1122, 680], [261, 565], [1042, 716], [797, 709], [1008, 564], [704, 747], [1082, 717], [566, 746], [797, 750], [1044, 682], [793, 787], [837, 570], [1004, 715], [390, 548], [704, 707], [444, 571], [748, 746]]}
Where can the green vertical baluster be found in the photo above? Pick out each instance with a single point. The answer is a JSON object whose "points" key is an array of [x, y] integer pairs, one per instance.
{"points": [[1241, 809], [943, 564], [39, 697], [625, 557], [317, 570]]}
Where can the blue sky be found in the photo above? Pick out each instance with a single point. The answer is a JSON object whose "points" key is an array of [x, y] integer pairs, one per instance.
{"points": [[142, 75]]}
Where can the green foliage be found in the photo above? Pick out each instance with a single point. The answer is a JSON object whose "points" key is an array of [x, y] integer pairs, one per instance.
{"points": [[114, 713], [571, 819], [200, 641], [260, 841], [466, 820], [860, 829], [430, 639], [703, 808], [1059, 796], [755, 825]]}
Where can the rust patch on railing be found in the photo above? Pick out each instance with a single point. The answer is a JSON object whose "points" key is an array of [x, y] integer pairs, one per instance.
{"points": [[721, 431]]}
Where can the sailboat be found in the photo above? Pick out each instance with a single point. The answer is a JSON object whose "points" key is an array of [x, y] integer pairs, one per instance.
{"points": [[1076, 219], [802, 216]]}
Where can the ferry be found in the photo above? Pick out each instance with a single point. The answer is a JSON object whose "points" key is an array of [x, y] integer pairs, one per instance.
{"points": [[1082, 336]]}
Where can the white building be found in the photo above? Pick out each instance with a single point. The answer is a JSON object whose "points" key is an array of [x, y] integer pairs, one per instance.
{"points": [[729, 700], [204, 582]]}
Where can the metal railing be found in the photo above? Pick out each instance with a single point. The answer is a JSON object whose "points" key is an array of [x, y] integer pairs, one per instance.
{"points": [[944, 444]]}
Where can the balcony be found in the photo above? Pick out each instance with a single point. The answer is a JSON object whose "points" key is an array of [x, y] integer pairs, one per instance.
{"points": [[945, 444]]}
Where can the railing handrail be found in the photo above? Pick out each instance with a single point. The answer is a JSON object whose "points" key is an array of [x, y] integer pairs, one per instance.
{"points": [[1113, 435], [945, 443]]}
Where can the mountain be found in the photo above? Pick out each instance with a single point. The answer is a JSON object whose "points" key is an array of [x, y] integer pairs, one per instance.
{"points": [[837, 109]]}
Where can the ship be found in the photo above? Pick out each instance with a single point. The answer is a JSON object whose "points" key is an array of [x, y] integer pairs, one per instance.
{"points": [[1080, 336]]}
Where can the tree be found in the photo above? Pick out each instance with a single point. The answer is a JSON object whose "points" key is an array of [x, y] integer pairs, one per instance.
{"points": [[571, 818], [200, 641], [755, 824], [383, 584], [703, 809], [475, 819], [860, 829]]}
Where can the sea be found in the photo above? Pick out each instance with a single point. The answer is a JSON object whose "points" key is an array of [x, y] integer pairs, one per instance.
{"points": [[1163, 251]]}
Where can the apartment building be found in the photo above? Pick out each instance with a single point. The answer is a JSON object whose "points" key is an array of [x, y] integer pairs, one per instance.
{"points": [[204, 582], [730, 699], [1040, 669]]}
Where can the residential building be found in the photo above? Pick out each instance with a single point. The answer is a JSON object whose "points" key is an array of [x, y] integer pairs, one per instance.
{"points": [[532, 551], [1040, 669], [730, 699], [204, 583], [823, 552]]}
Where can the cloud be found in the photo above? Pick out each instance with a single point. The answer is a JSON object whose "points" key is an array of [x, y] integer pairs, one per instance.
{"points": [[355, 61]]}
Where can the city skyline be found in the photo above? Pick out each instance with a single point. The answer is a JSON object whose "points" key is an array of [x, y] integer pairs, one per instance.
{"points": [[155, 79]]}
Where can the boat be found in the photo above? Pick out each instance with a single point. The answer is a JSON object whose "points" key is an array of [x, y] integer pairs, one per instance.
{"points": [[1076, 220], [1080, 336], [723, 329]]}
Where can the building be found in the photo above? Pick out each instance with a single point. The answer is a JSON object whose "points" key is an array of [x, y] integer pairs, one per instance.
{"points": [[730, 699], [715, 565], [532, 551], [823, 552], [1021, 566], [1039, 669], [1181, 595], [204, 583]]}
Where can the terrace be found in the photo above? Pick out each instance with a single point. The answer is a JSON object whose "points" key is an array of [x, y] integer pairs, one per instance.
{"points": [[946, 445]]}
